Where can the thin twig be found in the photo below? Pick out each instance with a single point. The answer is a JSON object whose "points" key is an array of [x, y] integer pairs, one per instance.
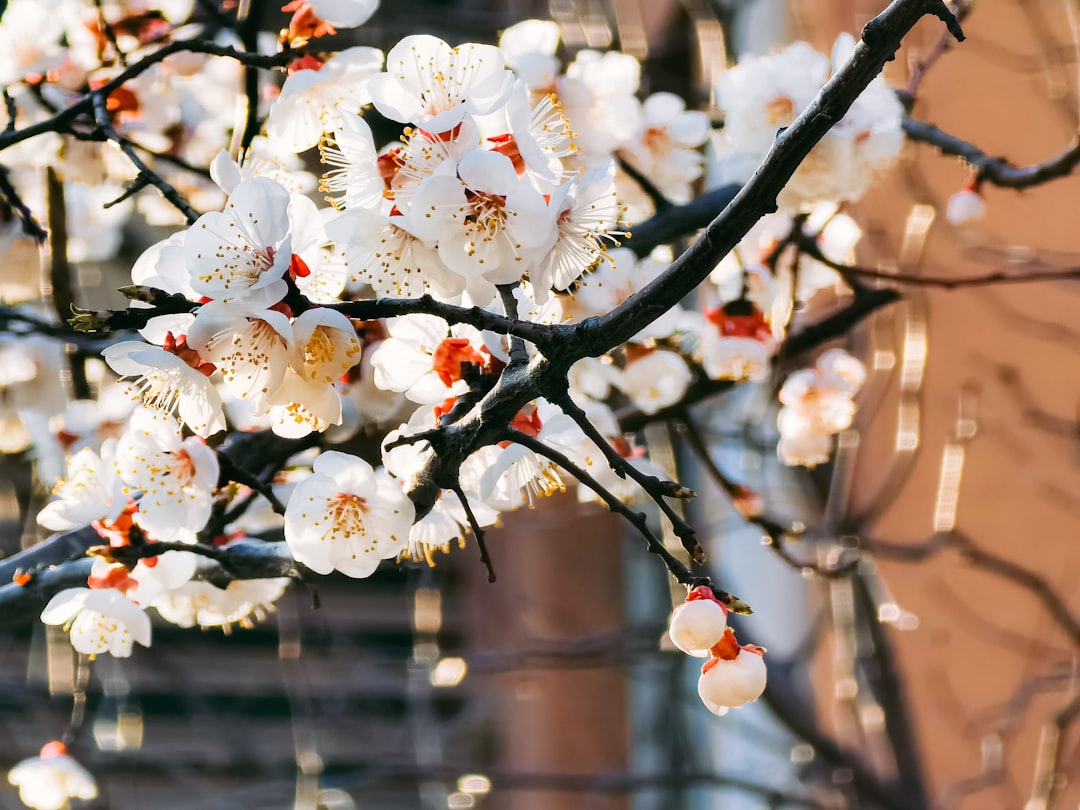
{"points": [[994, 170], [477, 530], [987, 561]]}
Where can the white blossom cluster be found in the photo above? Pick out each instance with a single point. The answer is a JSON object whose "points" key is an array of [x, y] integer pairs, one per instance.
{"points": [[503, 192]]}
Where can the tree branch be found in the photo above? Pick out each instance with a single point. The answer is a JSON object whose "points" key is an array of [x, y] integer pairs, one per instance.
{"points": [[995, 170], [987, 561]]}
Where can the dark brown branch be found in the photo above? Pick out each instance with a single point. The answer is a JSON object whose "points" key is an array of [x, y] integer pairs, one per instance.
{"points": [[478, 532], [777, 535], [31, 227], [881, 38], [851, 273], [638, 520], [145, 173], [994, 170], [961, 8], [656, 489]]}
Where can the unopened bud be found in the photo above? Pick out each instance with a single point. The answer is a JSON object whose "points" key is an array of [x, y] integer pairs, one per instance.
{"points": [[696, 626], [965, 208], [87, 320]]}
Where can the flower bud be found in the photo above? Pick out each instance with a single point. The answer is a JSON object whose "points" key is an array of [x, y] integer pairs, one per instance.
{"points": [[698, 625], [732, 683], [965, 208]]}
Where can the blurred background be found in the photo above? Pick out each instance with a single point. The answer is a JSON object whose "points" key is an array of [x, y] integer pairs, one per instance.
{"points": [[931, 676]]}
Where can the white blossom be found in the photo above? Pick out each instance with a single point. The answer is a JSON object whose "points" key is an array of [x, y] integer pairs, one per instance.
{"points": [[49, 781], [347, 517], [100, 620]]}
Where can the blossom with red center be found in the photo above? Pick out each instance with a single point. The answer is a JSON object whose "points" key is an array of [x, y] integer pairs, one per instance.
{"points": [[174, 477], [528, 421], [449, 357], [179, 347], [734, 675], [347, 517], [423, 358], [49, 781], [740, 319], [112, 576]]}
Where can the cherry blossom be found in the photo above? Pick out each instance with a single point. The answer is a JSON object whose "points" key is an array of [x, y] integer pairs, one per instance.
{"points": [[817, 404], [423, 357], [435, 86], [347, 517], [166, 381], [205, 605], [311, 98], [49, 780], [483, 221], [100, 620], [665, 149], [91, 491], [176, 476], [243, 251], [529, 48]]}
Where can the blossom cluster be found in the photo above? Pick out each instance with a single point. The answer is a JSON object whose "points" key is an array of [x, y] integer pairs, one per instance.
{"points": [[509, 189]]}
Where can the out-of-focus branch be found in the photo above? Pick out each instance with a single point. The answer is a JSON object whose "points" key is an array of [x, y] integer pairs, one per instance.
{"points": [[84, 107], [994, 170], [960, 8], [31, 227], [851, 273], [987, 561]]}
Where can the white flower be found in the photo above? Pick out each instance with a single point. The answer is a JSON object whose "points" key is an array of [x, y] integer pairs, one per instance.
{"points": [[597, 95], [325, 347], [310, 99], [737, 343], [615, 279], [817, 403], [243, 251], [585, 211], [698, 625], [666, 148], [655, 380], [344, 13], [206, 605], [423, 358], [176, 476], [431, 84], [347, 517], [529, 48], [250, 349], [165, 381], [762, 95], [356, 179], [48, 781], [102, 620], [735, 682], [484, 221], [89, 492]]}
